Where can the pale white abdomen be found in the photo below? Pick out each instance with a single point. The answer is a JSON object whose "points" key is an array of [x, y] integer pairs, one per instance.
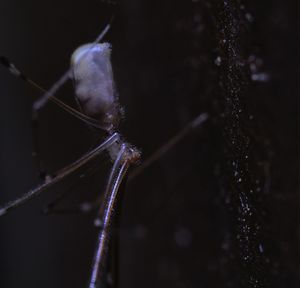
{"points": [[94, 83]]}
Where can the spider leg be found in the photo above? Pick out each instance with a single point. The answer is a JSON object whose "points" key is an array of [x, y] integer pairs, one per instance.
{"points": [[162, 150], [77, 114], [60, 175], [109, 203], [82, 208], [114, 169], [41, 102]]}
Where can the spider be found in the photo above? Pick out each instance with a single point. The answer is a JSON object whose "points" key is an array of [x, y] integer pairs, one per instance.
{"points": [[99, 107]]}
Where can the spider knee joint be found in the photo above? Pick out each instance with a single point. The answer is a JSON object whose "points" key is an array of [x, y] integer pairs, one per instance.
{"points": [[131, 154]]}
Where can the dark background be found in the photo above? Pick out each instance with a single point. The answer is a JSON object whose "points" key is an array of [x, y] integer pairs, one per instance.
{"points": [[219, 210]]}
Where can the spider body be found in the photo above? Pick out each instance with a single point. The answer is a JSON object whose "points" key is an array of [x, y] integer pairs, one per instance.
{"points": [[91, 71], [94, 84]]}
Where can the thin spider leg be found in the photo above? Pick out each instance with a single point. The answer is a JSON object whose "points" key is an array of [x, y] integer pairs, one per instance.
{"points": [[77, 114], [109, 205], [65, 77], [83, 117], [112, 174], [85, 207], [51, 207], [168, 145], [61, 174]]}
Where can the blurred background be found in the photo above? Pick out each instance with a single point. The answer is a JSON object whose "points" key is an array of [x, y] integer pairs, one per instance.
{"points": [[221, 209]]}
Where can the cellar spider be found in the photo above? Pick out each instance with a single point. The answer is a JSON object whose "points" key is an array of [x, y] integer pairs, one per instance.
{"points": [[91, 72]]}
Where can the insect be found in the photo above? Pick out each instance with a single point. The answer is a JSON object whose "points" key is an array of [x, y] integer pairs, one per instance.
{"points": [[92, 74]]}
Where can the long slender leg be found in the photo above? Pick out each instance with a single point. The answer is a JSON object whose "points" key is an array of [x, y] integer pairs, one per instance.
{"points": [[168, 145], [84, 207], [19, 74], [114, 170], [120, 169], [61, 174], [66, 76]]}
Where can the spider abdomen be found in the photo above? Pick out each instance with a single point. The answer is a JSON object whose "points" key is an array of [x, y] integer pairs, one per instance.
{"points": [[94, 83]]}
